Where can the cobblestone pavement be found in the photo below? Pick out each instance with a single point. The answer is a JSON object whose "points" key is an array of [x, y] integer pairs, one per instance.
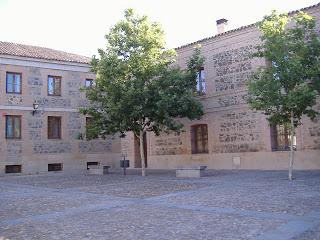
{"points": [[222, 205]]}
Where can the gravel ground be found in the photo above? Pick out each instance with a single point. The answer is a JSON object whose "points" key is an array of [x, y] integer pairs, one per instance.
{"points": [[221, 205]]}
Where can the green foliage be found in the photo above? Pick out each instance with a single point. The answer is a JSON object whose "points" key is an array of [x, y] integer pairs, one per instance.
{"points": [[138, 87], [290, 81]]}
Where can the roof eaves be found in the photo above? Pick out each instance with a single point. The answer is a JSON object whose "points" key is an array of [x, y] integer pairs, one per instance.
{"points": [[241, 28]]}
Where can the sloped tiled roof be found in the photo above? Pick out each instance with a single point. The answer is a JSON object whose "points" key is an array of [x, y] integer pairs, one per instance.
{"points": [[241, 28], [21, 50]]}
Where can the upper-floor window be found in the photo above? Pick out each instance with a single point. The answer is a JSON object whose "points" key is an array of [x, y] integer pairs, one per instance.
{"points": [[201, 83], [199, 138], [13, 127], [13, 83], [54, 127], [54, 86], [281, 138], [89, 83]]}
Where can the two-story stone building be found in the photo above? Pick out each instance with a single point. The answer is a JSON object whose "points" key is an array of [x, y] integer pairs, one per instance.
{"points": [[230, 135], [41, 128]]}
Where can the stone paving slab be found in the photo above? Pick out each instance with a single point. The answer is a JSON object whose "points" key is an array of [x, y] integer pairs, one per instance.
{"points": [[25, 205], [223, 205], [145, 222], [142, 189], [62, 181], [311, 234], [281, 199]]}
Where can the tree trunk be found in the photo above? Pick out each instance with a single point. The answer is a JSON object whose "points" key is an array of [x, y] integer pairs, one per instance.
{"points": [[143, 166], [292, 132]]}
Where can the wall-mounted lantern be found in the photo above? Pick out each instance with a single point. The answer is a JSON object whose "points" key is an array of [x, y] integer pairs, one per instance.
{"points": [[35, 106]]}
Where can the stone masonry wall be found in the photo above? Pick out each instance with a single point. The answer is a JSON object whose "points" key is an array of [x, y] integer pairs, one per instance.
{"points": [[225, 100], [172, 144], [74, 125], [233, 67], [35, 126], [35, 82], [14, 151], [238, 131], [313, 130], [34, 150], [96, 146], [48, 147]]}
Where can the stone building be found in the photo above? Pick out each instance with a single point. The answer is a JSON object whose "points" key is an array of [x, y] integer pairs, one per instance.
{"points": [[230, 136], [41, 128]]}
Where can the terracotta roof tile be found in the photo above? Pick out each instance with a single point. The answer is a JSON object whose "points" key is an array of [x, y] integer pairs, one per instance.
{"points": [[21, 50]]}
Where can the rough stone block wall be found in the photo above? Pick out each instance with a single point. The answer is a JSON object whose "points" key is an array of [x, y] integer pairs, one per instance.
{"points": [[14, 151], [233, 129], [232, 67], [12, 99], [96, 146], [238, 131], [51, 147], [34, 150], [74, 125], [314, 131], [311, 131], [172, 144], [35, 82], [34, 126]]}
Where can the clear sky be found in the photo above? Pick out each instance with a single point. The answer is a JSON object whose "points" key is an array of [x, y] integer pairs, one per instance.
{"points": [[79, 26]]}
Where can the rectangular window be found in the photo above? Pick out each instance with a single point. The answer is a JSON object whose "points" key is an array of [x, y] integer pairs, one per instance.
{"points": [[201, 84], [54, 167], [13, 168], [54, 127], [13, 127], [281, 138], [13, 83], [89, 83], [54, 86], [199, 138], [92, 164]]}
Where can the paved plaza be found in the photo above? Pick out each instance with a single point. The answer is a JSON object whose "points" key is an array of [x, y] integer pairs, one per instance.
{"points": [[221, 205]]}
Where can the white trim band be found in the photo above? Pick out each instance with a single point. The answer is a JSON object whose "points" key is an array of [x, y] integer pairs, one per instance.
{"points": [[23, 108], [31, 62]]}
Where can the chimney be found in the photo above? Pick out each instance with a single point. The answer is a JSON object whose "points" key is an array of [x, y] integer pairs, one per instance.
{"points": [[221, 25]]}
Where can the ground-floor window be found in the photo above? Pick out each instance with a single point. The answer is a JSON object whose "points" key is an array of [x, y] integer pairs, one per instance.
{"points": [[281, 138], [199, 138], [55, 167], [92, 164], [13, 127], [13, 168], [54, 127]]}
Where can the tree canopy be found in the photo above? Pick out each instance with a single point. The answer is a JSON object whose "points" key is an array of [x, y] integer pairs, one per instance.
{"points": [[290, 80], [138, 87], [287, 87]]}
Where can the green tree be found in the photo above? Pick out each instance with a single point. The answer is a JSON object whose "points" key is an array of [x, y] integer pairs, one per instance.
{"points": [[138, 87], [287, 87]]}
